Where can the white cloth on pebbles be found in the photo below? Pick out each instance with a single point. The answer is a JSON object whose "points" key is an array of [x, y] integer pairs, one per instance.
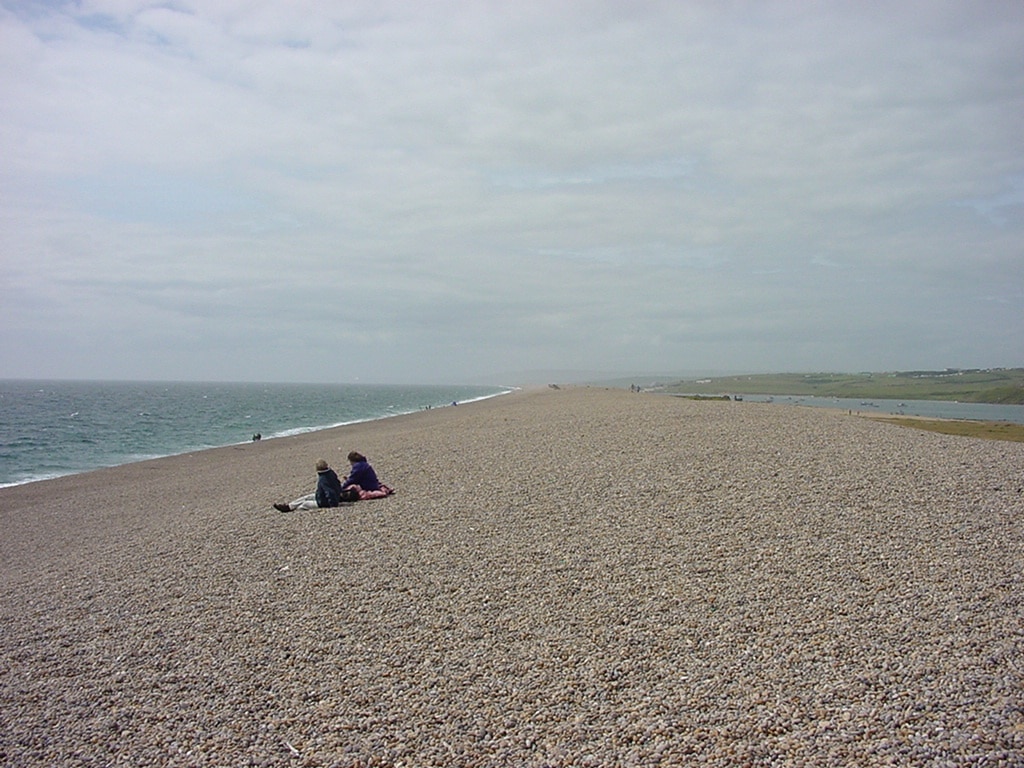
{"points": [[564, 578]]}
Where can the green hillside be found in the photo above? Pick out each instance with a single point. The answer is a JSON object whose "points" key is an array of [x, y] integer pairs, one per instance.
{"points": [[994, 385]]}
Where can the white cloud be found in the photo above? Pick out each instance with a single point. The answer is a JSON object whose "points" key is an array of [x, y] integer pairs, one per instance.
{"points": [[444, 190]]}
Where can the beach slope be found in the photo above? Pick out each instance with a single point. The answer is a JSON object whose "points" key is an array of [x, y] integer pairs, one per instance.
{"points": [[564, 577]]}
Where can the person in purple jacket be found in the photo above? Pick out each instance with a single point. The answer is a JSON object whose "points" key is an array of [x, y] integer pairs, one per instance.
{"points": [[362, 481]]}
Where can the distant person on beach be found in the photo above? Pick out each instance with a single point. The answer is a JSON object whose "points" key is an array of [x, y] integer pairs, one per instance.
{"points": [[328, 492], [362, 479]]}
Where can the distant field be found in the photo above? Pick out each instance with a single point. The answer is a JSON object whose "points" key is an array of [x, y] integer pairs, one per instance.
{"points": [[989, 430], [997, 385]]}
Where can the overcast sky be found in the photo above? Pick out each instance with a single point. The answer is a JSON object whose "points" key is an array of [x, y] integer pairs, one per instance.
{"points": [[440, 192]]}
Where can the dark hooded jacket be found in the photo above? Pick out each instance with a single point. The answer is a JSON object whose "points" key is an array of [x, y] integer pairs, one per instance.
{"points": [[328, 488]]}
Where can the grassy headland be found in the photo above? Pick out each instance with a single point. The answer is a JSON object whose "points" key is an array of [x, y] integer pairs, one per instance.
{"points": [[993, 385], [987, 430]]}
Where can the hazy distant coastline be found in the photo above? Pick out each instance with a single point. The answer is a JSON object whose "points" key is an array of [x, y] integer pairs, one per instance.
{"points": [[988, 385]]}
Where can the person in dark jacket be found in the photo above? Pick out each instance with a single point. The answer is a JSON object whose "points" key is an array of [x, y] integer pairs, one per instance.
{"points": [[362, 481], [328, 492]]}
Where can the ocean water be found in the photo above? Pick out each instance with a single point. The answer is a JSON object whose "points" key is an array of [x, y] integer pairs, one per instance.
{"points": [[54, 428]]}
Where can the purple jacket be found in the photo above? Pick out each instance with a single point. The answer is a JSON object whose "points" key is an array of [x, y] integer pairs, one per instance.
{"points": [[362, 474]]}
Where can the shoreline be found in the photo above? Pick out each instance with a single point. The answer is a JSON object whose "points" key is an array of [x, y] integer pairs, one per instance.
{"points": [[563, 577], [282, 433]]}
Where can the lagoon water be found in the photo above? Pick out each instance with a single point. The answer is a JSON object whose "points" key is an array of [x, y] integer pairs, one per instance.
{"points": [[932, 409], [54, 428]]}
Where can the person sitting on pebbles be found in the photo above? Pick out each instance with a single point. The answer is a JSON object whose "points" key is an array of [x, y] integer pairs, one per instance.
{"points": [[328, 492], [362, 481]]}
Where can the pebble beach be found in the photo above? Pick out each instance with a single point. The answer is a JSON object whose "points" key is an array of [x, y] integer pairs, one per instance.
{"points": [[564, 577]]}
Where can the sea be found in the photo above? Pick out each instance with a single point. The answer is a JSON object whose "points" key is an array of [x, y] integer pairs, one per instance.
{"points": [[53, 428]]}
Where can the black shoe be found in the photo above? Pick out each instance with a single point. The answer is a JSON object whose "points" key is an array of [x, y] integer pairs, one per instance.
{"points": [[282, 508]]}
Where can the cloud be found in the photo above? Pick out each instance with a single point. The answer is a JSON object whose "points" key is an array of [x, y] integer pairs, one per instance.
{"points": [[414, 192]]}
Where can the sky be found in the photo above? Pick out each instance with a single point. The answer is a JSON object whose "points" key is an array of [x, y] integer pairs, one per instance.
{"points": [[464, 192]]}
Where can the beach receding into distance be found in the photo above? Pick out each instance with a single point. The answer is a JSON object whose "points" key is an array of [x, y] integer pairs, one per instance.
{"points": [[568, 577]]}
